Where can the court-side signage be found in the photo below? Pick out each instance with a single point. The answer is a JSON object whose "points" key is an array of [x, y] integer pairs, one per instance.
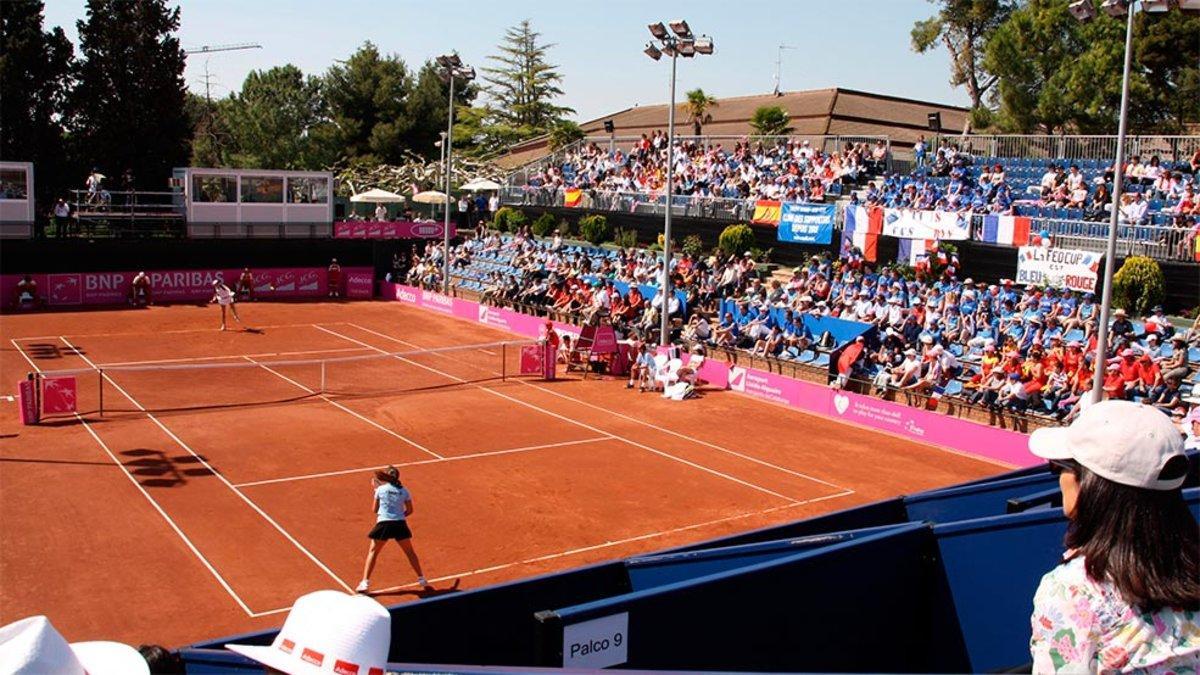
{"points": [[112, 288], [598, 643]]}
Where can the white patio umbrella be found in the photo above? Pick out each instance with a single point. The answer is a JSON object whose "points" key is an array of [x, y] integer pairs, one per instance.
{"points": [[377, 196], [430, 197], [482, 185]]}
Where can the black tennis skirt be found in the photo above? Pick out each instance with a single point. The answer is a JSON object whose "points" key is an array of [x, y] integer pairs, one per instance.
{"points": [[390, 529]]}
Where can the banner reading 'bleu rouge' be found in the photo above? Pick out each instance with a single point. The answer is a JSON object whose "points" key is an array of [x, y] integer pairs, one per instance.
{"points": [[806, 223]]}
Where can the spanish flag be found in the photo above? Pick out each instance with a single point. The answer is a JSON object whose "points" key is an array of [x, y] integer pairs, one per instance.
{"points": [[572, 197], [766, 212], [1196, 244]]}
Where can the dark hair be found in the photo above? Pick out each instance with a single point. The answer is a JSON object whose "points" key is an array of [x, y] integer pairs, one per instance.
{"points": [[161, 660], [390, 475], [1143, 541]]}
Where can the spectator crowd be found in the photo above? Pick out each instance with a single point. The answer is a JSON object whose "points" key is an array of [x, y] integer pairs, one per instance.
{"points": [[996, 345]]}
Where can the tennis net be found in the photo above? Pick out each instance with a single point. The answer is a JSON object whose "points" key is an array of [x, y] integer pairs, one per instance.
{"points": [[265, 380]]}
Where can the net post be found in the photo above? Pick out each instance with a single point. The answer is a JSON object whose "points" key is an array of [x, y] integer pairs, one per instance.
{"points": [[503, 361], [100, 372], [322, 377]]}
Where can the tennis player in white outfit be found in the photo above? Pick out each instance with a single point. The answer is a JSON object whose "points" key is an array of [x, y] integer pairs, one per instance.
{"points": [[223, 296]]}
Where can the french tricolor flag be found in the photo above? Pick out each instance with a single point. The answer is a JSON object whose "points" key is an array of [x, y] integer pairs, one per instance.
{"points": [[1006, 230], [915, 252], [861, 229]]}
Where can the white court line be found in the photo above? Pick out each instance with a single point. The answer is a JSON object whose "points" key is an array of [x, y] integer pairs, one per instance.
{"points": [[569, 420], [22, 353], [339, 406], [167, 332], [190, 359], [188, 542], [452, 458], [619, 542], [214, 472], [644, 423]]}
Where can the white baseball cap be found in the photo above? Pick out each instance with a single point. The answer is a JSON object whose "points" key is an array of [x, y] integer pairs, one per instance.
{"points": [[33, 645], [328, 632], [1122, 441]]}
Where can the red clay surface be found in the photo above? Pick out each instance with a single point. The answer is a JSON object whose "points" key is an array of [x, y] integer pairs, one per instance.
{"points": [[200, 519]]}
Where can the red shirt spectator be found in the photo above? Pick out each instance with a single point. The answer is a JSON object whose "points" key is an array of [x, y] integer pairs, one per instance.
{"points": [[1130, 368], [1114, 382]]}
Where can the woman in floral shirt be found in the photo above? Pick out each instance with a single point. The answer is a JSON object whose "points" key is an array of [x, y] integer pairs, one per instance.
{"points": [[1126, 597]]}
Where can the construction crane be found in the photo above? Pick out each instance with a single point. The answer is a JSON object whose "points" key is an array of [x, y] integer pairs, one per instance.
{"points": [[208, 49]]}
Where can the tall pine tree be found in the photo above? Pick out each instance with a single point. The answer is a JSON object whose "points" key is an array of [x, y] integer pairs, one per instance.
{"points": [[523, 85], [35, 72], [127, 111], [367, 95]]}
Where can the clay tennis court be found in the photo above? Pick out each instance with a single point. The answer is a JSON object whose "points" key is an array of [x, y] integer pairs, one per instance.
{"points": [[206, 499]]}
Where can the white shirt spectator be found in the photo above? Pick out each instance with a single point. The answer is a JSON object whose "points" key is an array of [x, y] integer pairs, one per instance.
{"points": [[380, 212], [1135, 211]]}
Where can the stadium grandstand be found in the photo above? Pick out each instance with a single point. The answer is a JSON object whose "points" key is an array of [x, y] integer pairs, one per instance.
{"points": [[882, 393]]}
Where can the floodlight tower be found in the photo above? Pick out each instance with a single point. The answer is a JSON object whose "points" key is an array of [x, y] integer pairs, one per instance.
{"points": [[450, 68], [679, 41], [1085, 11]]}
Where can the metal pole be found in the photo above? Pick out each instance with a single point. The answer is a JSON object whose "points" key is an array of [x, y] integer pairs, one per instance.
{"points": [[449, 165], [100, 371], [665, 323], [1111, 250], [322, 377], [503, 361]]}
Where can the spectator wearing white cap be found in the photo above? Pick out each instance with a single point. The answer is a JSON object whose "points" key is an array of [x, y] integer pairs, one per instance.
{"points": [[1126, 595]]}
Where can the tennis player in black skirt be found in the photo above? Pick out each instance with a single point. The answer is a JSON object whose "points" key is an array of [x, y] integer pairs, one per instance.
{"points": [[393, 504]]}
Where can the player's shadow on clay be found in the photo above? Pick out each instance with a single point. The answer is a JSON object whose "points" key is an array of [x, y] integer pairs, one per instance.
{"points": [[419, 593], [154, 468]]}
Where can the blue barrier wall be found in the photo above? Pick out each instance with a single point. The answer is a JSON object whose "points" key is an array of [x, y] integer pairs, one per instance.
{"points": [[813, 611]]}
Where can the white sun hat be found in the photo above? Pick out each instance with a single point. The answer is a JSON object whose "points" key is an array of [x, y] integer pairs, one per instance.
{"points": [[328, 632], [32, 645], [1122, 441]]}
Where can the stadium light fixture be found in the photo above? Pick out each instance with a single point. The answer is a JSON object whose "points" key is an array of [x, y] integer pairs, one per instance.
{"points": [[451, 68], [1083, 10], [682, 43], [1124, 9], [681, 28], [1115, 8], [450, 60]]}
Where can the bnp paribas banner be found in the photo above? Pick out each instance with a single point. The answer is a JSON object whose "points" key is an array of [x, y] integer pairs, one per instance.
{"points": [[1058, 267]]}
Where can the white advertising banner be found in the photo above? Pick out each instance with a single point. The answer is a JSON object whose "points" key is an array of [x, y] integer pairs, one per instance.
{"points": [[1058, 267], [914, 224]]}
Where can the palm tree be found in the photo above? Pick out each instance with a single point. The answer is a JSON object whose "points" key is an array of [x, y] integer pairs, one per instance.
{"points": [[698, 104], [770, 120]]}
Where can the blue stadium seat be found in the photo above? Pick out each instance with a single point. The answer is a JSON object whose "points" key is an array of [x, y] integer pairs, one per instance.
{"points": [[821, 360]]}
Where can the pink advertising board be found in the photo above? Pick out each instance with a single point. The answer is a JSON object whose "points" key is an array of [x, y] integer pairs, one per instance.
{"points": [[112, 288], [496, 317], [397, 229], [922, 426]]}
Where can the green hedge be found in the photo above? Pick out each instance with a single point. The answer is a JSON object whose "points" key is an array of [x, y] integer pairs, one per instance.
{"points": [[1139, 285], [595, 229], [736, 239]]}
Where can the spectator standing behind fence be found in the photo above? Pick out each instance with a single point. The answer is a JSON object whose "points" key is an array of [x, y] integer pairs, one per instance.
{"points": [[62, 218], [1126, 595]]}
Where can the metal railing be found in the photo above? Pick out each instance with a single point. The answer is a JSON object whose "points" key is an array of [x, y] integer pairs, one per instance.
{"points": [[693, 206], [824, 143], [1167, 148], [1156, 241]]}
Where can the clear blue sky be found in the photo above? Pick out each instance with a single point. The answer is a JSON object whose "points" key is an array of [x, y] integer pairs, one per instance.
{"points": [[864, 44]]}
